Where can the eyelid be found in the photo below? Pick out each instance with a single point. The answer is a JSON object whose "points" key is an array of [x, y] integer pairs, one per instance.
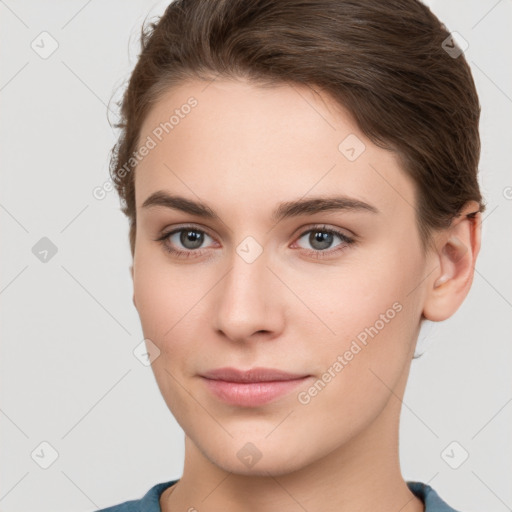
{"points": [[326, 227], [178, 228], [298, 233]]}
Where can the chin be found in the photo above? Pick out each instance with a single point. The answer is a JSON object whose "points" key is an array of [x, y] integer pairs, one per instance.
{"points": [[253, 459]]}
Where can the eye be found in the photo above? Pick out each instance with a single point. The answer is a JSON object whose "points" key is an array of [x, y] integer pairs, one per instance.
{"points": [[322, 238], [188, 237], [191, 239]]}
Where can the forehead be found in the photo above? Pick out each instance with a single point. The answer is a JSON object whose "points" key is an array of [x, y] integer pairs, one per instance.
{"points": [[234, 139]]}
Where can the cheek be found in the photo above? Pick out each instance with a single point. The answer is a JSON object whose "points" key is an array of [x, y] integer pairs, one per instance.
{"points": [[171, 303], [368, 311], [358, 293], [375, 324], [159, 295]]}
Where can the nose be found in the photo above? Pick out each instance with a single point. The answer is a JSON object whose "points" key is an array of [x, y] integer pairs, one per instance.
{"points": [[248, 303]]}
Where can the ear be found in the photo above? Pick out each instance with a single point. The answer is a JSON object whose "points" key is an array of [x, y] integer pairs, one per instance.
{"points": [[133, 298], [457, 248]]}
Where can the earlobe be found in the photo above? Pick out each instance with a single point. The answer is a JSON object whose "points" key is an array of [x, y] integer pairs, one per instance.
{"points": [[450, 282]]}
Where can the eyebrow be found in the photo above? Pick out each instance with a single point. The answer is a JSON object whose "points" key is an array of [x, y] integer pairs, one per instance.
{"points": [[285, 210]]}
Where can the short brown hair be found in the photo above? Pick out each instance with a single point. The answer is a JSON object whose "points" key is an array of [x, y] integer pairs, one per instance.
{"points": [[383, 61]]}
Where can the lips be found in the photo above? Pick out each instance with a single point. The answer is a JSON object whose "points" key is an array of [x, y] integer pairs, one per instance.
{"points": [[251, 388], [258, 374]]}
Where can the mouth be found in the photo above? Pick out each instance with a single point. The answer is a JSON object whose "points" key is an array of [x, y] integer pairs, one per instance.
{"points": [[258, 374], [251, 388]]}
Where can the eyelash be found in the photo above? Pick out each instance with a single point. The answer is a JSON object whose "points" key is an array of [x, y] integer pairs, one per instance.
{"points": [[346, 242]]}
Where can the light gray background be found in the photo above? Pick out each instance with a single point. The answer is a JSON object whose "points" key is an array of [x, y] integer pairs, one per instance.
{"points": [[69, 328]]}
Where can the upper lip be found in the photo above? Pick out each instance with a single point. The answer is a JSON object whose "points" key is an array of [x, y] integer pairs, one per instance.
{"points": [[258, 374]]}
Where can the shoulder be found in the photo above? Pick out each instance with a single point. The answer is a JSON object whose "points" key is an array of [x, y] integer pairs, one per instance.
{"points": [[433, 502], [150, 502]]}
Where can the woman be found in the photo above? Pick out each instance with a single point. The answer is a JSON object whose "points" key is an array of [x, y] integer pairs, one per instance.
{"points": [[301, 183]]}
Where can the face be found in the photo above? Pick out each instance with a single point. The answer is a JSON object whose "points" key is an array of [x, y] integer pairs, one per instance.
{"points": [[327, 290]]}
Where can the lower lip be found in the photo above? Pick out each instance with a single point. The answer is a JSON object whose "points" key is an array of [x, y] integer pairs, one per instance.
{"points": [[251, 394]]}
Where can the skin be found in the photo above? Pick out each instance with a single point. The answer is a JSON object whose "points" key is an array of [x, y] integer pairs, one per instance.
{"points": [[243, 150]]}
